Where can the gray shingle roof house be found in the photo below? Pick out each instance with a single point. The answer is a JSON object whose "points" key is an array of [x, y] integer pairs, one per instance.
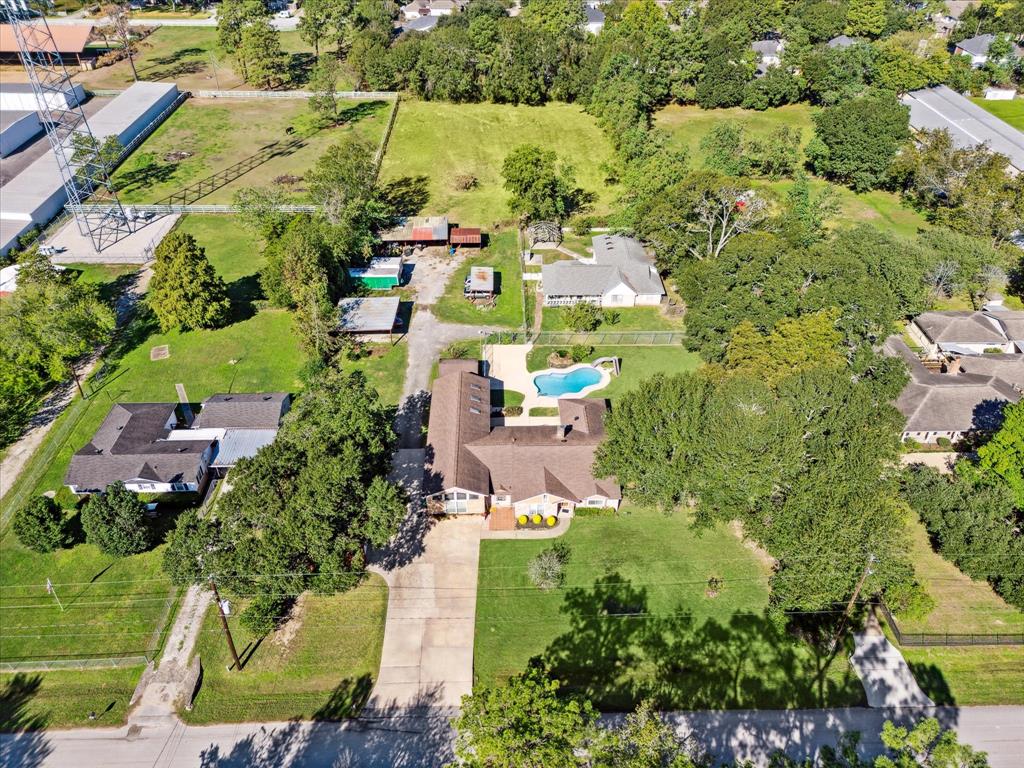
{"points": [[243, 411], [975, 47], [133, 445], [620, 274], [969, 333], [841, 41], [949, 405], [535, 469], [144, 446]]}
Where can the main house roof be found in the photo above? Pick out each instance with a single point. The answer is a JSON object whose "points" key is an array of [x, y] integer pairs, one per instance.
{"points": [[243, 411], [617, 260], [465, 452], [131, 443], [966, 327]]}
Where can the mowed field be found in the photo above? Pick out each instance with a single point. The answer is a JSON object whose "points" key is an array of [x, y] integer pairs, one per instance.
{"points": [[206, 136], [449, 144], [689, 124], [320, 664], [637, 618], [191, 57]]}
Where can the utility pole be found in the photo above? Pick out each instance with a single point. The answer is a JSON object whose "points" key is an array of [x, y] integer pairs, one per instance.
{"points": [[224, 625], [853, 601]]}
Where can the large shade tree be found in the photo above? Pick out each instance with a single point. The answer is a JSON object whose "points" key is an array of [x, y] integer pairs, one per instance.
{"points": [[186, 292]]}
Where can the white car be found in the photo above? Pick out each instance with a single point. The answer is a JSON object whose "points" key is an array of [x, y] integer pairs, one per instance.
{"points": [[286, 14]]}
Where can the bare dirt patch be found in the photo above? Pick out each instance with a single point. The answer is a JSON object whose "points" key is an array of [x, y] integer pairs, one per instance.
{"points": [[763, 557], [286, 633]]}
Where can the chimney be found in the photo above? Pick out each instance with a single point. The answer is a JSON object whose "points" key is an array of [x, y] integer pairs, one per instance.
{"points": [[561, 431], [953, 366]]}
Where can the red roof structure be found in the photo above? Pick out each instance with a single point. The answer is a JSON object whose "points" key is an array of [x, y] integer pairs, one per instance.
{"points": [[466, 236], [68, 38]]}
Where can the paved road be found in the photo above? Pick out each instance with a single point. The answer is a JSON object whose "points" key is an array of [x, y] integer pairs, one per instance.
{"points": [[407, 742]]}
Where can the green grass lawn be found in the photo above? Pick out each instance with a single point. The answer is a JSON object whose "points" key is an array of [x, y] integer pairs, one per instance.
{"points": [[442, 142], [65, 699], [1011, 112], [969, 676], [635, 618], [963, 604], [190, 57], [629, 319], [638, 363], [502, 253], [384, 368], [321, 665], [218, 133], [689, 124]]}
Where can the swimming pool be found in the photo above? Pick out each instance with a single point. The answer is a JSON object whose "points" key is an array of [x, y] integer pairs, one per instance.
{"points": [[552, 384]]}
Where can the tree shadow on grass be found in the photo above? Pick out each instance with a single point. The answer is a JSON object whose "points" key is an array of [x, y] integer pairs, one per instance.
{"points": [[931, 680], [144, 177], [617, 653], [178, 55], [406, 195], [299, 67], [243, 294], [24, 743]]}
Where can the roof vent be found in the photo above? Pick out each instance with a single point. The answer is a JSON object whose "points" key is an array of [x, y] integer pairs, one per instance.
{"points": [[561, 431]]}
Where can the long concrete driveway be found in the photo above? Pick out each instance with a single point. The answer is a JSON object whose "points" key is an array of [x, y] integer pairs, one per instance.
{"points": [[408, 742]]}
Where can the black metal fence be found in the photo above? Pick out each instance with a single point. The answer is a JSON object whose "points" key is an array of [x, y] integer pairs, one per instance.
{"points": [[595, 339], [920, 639]]}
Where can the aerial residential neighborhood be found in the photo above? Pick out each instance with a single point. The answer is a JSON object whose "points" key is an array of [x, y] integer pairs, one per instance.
{"points": [[578, 383]]}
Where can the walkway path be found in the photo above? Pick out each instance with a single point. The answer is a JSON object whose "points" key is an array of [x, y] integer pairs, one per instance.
{"points": [[168, 687], [407, 742], [887, 679]]}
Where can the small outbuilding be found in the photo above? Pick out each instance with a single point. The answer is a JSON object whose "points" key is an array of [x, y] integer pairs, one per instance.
{"points": [[17, 129], [382, 274], [369, 317], [419, 230], [479, 283], [469, 236]]}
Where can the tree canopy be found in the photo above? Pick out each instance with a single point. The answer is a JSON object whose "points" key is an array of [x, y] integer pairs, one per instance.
{"points": [[115, 521], [185, 291], [540, 188]]}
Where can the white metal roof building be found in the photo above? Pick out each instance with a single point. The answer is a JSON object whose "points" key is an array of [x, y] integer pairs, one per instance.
{"points": [[375, 315], [968, 124]]}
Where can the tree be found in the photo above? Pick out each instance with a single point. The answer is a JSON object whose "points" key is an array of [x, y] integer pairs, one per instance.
{"points": [[721, 211], [540, 188], [560, 18], [264, 63], [40, 525], [792, 346], [728, 68], [192, 549], [322, 18], [644, 740], [118, 26], [115, 521], [856, 140], [258, 208], [865, 17], [927, 744], [524, 724], [95, 160], [583, 317], [324, 83], [962, 265], [805, 213], [547, 569], [1002, 456], [232, 17], [46, 326], [300, 512], [186, 291], [342, 180], [902, 66]]}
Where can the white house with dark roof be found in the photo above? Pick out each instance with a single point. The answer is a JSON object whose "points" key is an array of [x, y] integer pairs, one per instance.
{"points": [[976, 48], [769, 53], [151, 449], [619, 274], [954, 403], [968, 333]]}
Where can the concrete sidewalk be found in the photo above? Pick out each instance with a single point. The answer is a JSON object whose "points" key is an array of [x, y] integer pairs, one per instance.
{"points": [[887, 679]]}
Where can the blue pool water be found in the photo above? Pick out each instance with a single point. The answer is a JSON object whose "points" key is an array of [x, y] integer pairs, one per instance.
{"points": [[558, 384]]}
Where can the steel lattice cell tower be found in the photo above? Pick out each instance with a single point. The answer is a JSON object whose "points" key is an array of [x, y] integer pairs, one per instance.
{"points": [[83, 171]]}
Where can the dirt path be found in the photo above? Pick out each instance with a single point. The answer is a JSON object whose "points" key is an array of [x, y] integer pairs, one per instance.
{"points": [[19, 453]]}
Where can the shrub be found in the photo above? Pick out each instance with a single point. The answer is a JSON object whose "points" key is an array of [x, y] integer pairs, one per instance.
{"points": [[116, 522], [612, 317], [535, 519], [583, 317], [909, 600], [455, 351], [40, 525], [580, 352], [264, 614], [522, 519], [512, 410], [465, 181], [910, 444], [550, 521], [944, 442], [547, 569], [582, 223], [714, 587]]}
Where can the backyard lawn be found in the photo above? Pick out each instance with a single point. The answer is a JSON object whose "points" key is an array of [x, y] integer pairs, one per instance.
{"points": [[206, 136], [502, 253], [628, 319], [971, 676], [1011, 112], [319, 666], [459, 149], [689, 124], [190, 57], [638, 363], [65, 699], [638, 616]]}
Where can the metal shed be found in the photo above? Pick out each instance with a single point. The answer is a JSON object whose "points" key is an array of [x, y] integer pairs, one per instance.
{"points": [[479, 282], [383, 273], [378, 315], [466, 236]]}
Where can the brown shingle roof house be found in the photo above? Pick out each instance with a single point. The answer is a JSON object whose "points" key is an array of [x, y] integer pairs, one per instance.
{"points": [[535, 469]]}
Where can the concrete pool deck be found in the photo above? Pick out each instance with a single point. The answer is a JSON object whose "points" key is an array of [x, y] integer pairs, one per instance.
{"points": [[507, 366]]}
